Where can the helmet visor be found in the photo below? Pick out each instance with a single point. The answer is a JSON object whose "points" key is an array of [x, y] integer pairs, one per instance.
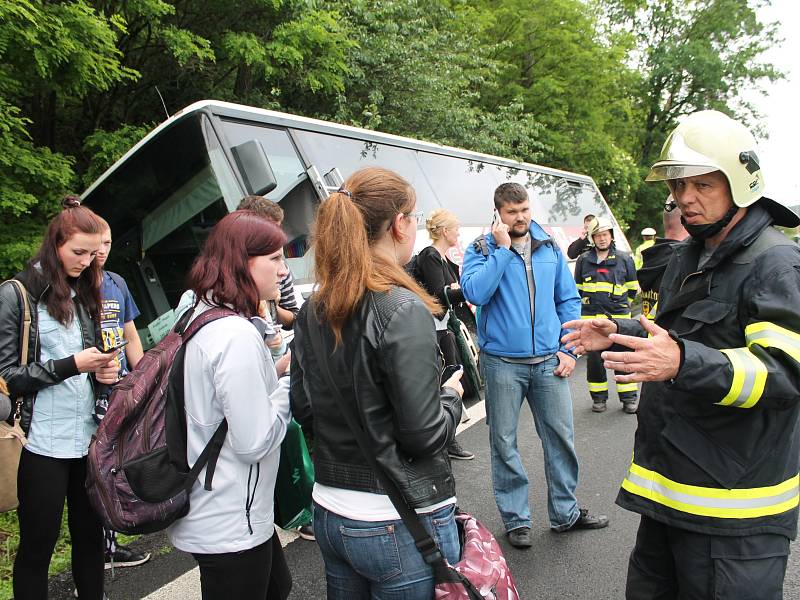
{"points": [[678, 160]]}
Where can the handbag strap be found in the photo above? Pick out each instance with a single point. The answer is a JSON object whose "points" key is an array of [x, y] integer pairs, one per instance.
{"points": [[26, 335], [424, 542]]}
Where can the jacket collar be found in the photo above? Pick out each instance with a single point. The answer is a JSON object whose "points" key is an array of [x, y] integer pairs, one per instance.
{"points": [[33, 280], [611, 259]]}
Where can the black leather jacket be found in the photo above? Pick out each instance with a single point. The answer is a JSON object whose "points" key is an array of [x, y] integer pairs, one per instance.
{"points": [[27, 380], [388, 366]]}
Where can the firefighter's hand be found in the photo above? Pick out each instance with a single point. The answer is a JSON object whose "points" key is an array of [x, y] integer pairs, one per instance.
{"points": [[566, 365], [655, 358], [587, 335]]}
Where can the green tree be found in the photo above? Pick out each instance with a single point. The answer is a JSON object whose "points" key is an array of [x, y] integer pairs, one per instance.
{"points": [[49, 52], [570, 75]]}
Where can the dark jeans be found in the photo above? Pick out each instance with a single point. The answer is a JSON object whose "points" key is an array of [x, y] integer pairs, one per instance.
{"points": [[668, 563], [260, 573], [42, 485]]}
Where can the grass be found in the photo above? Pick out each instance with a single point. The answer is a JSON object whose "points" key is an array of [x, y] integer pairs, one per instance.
{"points": [[9, 542]]}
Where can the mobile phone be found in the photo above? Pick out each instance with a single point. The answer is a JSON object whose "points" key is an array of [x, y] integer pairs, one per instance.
{"points": [[120, 344], [450, 370], [495, 218]]}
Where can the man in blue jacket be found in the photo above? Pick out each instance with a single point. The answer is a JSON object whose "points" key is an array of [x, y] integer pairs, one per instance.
{"points": [[520, 280]]}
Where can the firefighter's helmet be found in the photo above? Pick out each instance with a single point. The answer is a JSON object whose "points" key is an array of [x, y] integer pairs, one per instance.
{"points": [[708, 141], [600, 224], [648, 231]]}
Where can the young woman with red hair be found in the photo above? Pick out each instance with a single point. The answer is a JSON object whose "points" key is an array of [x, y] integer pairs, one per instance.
{"points": [[57, 388], [229, 374]]}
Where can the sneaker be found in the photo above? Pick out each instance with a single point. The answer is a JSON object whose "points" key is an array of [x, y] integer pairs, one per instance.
{"points": [[631, 407], [598, 407], [125, 557], [455, 451], [307, 532], [587, 521], [520, 537]]}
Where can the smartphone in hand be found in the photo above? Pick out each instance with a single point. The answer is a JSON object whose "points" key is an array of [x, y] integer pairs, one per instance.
{"points": [[121, 344], [496, 218], [449, 371]]}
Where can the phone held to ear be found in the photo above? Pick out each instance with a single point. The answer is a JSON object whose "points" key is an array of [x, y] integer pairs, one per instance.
{"points": [[495, 218], [120, 345]]}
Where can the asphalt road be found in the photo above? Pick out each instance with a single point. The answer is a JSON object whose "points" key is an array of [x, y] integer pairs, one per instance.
{"points": [[576, 565]]}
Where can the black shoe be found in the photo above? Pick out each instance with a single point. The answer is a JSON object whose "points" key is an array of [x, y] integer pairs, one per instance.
{"points": [[125, 557], [587, 521], [456, 452], [307, 532], [520, 537], [75, 594]]}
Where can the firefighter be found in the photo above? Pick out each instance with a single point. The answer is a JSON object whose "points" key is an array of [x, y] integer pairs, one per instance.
{"points": [[716, 456], [606, 280], [649, 237]]}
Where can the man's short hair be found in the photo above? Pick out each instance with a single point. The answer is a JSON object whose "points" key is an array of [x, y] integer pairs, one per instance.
{"points": [[589, 217], [262, 207], [509, 193]]}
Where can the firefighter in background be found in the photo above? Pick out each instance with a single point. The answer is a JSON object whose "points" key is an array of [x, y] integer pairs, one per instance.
{"points": [[716, 455], [649, 237], [606, 280], [656, 257]]}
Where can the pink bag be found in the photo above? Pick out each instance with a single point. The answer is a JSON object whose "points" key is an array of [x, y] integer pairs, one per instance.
{"points": [[482, 567]]}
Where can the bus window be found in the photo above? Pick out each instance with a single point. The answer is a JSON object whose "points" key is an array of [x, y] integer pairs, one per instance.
{"points": [[348, 155], [283, 158]]}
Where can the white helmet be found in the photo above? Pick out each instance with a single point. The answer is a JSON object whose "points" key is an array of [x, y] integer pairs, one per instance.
{"points": [[648, 231], [598, 225], [709, 141]]}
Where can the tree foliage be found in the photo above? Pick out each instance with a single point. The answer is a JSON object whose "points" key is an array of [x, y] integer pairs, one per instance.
{"points": [[584, 85]]}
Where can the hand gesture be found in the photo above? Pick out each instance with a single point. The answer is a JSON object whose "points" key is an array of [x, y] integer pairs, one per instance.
{"points": [[655, 358], [587, 335]]}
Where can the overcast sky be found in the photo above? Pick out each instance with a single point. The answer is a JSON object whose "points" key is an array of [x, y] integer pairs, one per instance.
{"points": [[781, 108]]}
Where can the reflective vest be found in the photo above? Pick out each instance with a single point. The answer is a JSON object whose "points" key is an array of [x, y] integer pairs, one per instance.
{"points": [[606, 287], [717, 449]]}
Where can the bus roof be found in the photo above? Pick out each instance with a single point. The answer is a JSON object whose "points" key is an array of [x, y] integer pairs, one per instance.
{"points": [[240, 111]]}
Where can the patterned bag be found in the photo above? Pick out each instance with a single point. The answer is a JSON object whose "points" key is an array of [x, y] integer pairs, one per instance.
{"points": [[482, 565]]}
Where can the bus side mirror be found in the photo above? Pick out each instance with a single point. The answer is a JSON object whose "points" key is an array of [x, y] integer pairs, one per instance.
{"points": [[254, 167]]}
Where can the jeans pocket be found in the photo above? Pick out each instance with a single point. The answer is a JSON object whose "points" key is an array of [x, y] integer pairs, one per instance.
{"points": [[372, 551]]}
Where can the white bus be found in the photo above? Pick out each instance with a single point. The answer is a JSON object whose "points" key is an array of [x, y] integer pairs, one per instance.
{"points": [[162, 197]]}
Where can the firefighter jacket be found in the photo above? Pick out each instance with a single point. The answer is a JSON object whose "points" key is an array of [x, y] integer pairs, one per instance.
{"points": [[607, 287], [655, 259], [717, 449]]}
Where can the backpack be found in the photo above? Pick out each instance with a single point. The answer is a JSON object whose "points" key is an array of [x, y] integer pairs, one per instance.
{"points": [[138, 479]]}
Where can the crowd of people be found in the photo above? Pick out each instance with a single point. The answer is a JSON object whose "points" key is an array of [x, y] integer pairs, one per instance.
{"points": [[716, 351]]}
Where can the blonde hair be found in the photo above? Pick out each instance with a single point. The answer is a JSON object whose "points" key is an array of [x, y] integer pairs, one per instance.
{"points": [[439, 219], [348, 223]]}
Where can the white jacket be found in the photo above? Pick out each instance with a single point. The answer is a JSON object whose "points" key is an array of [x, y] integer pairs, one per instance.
{"points": [[229, 373]]}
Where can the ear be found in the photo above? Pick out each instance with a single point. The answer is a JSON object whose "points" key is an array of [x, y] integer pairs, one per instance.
{"points": [[396, 228]]}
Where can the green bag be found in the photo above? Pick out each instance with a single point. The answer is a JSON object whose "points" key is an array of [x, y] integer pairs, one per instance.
{"points": [[295, 480]]}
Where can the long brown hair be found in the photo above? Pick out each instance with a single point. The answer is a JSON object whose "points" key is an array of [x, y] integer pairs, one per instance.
{"points": [[348, 223], [73, 219], [221, 273]]}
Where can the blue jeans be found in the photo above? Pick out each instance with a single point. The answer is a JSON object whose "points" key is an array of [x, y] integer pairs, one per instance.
{"points": [[378, 559], [507, 386]]}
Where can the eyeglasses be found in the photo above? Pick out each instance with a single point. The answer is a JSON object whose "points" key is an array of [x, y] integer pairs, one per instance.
{"points": [[418, 215]]}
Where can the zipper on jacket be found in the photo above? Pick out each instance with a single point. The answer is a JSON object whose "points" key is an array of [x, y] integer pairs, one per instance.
{"points": [[249, 499]]}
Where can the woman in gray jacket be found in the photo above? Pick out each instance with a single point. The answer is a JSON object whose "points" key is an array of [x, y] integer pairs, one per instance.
{"points": [[229, 373]]}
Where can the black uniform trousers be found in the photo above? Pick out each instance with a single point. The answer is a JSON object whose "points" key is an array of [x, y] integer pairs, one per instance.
{"points": [[669, 563], [598, 382]]}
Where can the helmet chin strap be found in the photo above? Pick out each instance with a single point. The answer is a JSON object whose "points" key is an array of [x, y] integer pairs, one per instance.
{"points": [[709, 230]]}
